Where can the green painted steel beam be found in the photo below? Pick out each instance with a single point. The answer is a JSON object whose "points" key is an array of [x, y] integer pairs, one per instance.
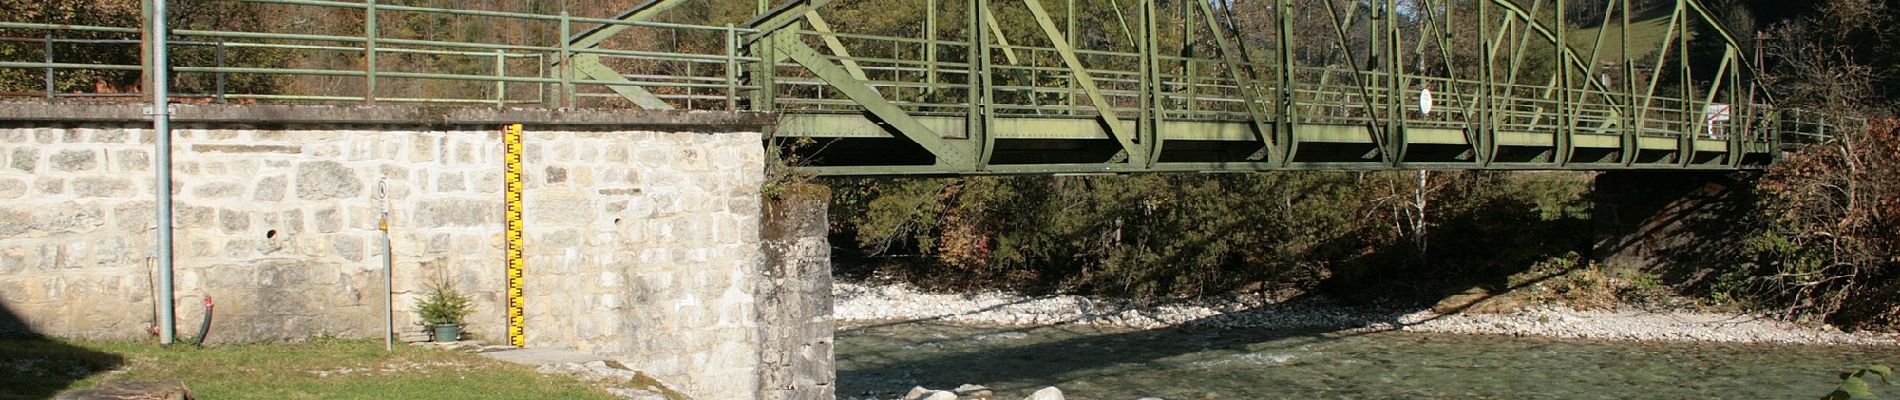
{"points": [[589, 65], [778, 18], [1082, 77], [948, 155], [593, 37]]}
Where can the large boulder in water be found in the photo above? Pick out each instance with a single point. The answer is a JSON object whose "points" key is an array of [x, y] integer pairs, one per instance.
{"points": [[1048, 393]]}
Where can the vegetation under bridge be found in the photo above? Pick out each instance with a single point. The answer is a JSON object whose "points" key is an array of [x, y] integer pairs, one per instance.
{"points": [[880, 87]]}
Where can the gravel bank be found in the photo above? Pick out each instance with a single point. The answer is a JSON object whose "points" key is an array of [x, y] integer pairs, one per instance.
{"points": [[858, 303]]}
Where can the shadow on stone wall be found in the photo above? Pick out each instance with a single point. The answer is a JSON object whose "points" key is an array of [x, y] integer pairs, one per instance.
{"points": [[33, 366]]}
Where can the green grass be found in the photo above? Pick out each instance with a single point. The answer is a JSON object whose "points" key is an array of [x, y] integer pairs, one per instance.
{"points": [[1646, 37], [319, 369]]}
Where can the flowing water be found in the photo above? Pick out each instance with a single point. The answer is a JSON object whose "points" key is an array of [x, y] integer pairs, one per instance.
{"points": [[883, 361]]}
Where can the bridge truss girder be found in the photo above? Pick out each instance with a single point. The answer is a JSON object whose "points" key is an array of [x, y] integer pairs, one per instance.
{"points": [[1221, 95]]}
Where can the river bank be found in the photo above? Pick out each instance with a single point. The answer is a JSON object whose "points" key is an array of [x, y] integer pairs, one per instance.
{"points": [[861, 304]]}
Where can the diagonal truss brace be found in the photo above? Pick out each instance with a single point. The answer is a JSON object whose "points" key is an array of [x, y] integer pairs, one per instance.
{"points": [[1232, 58], [947, 154], [591, 66], [1135, 153]]}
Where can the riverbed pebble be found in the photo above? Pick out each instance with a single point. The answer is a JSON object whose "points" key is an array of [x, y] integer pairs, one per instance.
{"points": [[861, 303]]}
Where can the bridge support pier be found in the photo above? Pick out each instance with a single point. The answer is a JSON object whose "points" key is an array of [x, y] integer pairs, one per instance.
{"points": [[794, 297], [1681, 224]]}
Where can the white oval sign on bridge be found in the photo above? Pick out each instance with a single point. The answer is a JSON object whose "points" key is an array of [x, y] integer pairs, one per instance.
{"points": [[1425, 102]]}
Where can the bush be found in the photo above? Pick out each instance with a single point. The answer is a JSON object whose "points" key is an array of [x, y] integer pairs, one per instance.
{"points": [[443, 305]]}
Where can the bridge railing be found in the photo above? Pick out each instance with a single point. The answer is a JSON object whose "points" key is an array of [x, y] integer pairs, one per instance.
{"points": [[373, 61], [378, 56]]}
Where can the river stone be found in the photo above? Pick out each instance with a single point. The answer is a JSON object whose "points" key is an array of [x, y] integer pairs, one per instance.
{"points": [[1048, 393], [941, 395], [917, 392], [321, 180], [974, 391]]}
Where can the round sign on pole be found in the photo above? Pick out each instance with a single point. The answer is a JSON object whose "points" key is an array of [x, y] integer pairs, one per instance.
{"points": [[1425, 102]]}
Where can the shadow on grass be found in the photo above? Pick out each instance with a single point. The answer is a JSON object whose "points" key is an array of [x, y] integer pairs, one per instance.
{"points": [[33, 366]]}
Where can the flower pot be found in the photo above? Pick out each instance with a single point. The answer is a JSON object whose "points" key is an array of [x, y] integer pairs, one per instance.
{"points": [[445, 333]]}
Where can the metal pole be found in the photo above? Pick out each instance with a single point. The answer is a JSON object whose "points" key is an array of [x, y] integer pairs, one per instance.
{"points": [[369, 51], [221, 64], [501, 76], [389, 273], [162, 183], [732, 68], [48, 49]]}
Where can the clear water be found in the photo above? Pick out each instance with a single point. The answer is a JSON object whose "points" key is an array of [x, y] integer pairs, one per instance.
{"points": [[884, 361]]}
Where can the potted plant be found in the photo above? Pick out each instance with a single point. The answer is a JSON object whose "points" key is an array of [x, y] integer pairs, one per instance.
{"points": [[442, 310]]}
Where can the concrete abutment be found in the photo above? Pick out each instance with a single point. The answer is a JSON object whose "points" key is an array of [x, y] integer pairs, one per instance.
{"points": [[648, 239]]}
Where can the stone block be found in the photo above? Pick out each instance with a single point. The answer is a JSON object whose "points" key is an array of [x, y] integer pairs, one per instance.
{"points": [[323, 180], [270, 188], [451, 182], [75, 160], [11, 188], [104, 187], [189, 217], [327, 220], [457, 213], [234, 221], [247, 148], [391, 172], [135, 217], [134, 160], [24, 159], [217, 190], [349, 247], [422, 148]]}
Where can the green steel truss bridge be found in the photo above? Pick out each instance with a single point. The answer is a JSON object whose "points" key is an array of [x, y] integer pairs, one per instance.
{"points": [[1018, 86]]}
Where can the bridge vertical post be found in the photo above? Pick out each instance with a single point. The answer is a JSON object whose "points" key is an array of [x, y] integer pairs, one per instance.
{"points": [[732, 68], [567, 61], [1487, 117], [1152, 91], [1632, 131], [1070, 36], [1187, 54], [1685, 150], [764, 73], [1288, 103], [501, 74], [369, 51], [930, 46], [46, 50], [982, 83], [1394, 93], [1566, 123]]}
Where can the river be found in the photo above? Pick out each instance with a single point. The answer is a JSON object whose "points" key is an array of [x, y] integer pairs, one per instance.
{"points": [[883, 361]]}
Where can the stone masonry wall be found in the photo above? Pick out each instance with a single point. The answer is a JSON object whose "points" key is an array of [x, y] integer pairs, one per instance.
{"points": [[643, 245], [795, 322]]}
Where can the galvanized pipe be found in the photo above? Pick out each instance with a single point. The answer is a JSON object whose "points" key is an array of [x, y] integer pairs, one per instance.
{"points": [[162, 183]]}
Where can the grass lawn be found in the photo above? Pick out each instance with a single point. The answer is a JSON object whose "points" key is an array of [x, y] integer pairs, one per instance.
{"points": [[1646, 38], [319, 369]]}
